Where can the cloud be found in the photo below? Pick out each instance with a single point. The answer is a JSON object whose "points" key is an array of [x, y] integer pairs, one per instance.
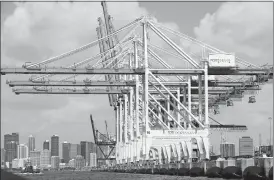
{"points": [[235, 27]]}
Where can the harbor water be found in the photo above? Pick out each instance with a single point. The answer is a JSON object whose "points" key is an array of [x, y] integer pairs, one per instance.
{"points": [[81, 175]]}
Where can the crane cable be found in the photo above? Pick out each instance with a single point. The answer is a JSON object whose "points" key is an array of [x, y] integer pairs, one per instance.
{"points": [[121, 43], [198, 42], [84, 47]]}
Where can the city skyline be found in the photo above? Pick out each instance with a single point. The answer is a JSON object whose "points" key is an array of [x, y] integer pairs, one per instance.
{"points": [[76, 147], [85, 144], [66, 115]]}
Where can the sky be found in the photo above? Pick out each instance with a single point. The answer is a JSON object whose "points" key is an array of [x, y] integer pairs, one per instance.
{"points": [[32, 32]]}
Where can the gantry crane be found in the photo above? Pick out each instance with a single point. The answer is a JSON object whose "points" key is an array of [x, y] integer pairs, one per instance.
{"points": [[145, 100]]}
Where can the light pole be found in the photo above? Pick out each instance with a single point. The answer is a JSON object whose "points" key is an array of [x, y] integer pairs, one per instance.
{"points": [[270, 118]]}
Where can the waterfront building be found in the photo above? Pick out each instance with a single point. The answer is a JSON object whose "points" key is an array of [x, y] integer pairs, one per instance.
{"points": [[31, 143], [72, 163], [66, 151], [79, 162], [75, 149], [55, 161], [246, 146], [46, 144], [11, 151], [35, 158], [93, 161], [22, 151], [227, 150], [55, 145], [15, 163], [45, 157]]}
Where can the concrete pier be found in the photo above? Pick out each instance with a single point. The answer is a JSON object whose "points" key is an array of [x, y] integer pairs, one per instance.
{"points": [[230, 167]]}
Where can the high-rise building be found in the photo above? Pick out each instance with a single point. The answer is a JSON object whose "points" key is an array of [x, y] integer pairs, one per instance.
{"points": [[66, 149], [10, 137], [11, 151], [246, 146], [34, 157], [11, 148], [93, 161], [55, 161], [46, 145], [22, 151], [3, 155], [86, 149], [79, 162], [55, 145], [227, 150], [45, 158], [31, 143], [75, 149]]}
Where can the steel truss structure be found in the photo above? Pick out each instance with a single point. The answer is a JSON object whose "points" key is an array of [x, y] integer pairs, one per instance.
{"points": [[161, 112]]}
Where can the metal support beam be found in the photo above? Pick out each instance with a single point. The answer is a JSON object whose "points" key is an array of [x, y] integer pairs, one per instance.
{"points": [[145, 89], [70, 91], [136, 91], [206, 93], [200, 97], [189, 100], [102, 71]]}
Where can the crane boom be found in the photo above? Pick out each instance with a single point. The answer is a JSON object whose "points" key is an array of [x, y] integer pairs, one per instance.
{"points": [[85, 71]]}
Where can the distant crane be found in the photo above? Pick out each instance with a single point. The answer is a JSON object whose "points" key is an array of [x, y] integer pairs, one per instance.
{"points": [[102, 142]]}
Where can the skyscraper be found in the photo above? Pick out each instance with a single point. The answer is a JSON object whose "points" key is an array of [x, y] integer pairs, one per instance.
{"points": [[46, 145], [22, 151], [11, 151], [45, 158], [55, 145], [246, 146], [66, 149], [11, 148], [10, 137], [227, 150], [75, 149], [31, 144], [86, 149], [83, 148]]}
